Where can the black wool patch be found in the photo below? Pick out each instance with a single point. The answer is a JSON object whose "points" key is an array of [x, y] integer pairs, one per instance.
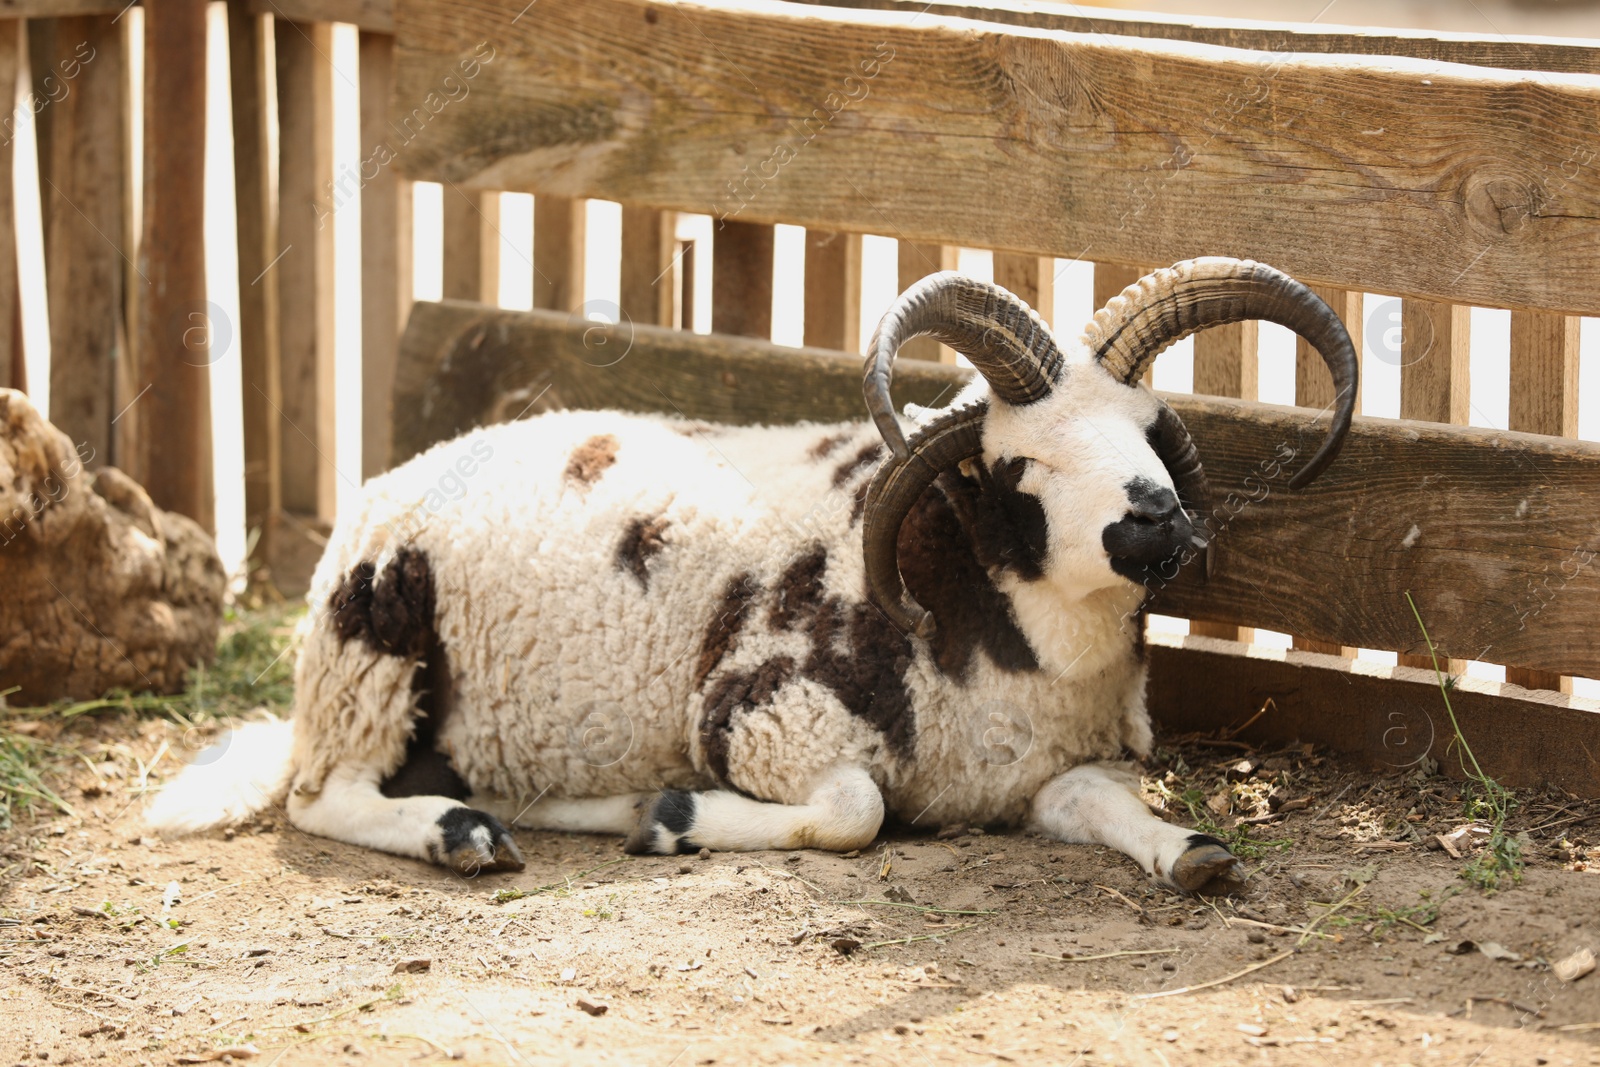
{"points": [[727, 619], [799, 592], [641, 542], [856, 464], [735, 692], [863, 658], [391, 613], [947, 574]]}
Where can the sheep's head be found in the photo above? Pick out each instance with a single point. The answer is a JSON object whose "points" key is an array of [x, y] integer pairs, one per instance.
{"points": [[1108, 467]]}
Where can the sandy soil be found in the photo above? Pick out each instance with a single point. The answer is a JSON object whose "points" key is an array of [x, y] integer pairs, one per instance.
{"points": [[287, 949]]}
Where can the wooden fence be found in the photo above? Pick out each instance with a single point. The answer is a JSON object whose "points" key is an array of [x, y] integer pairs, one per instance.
{"points": [[1447, 171]]}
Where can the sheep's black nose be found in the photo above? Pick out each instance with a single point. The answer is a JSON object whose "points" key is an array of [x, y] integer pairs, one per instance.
{"points": [[1152, 502], [1152, 534]]}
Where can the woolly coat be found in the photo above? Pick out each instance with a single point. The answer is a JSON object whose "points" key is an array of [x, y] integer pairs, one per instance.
{"points": [[591, 604]]}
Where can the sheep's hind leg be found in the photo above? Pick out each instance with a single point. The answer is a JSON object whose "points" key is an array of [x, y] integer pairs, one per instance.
{"points": [[351, 808], [573, 815], [843, 811], [1099, 804]]}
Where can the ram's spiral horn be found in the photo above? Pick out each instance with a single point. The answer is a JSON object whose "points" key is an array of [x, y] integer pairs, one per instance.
{"points": [[1168, 305], [894, 491], [1003, 337]]}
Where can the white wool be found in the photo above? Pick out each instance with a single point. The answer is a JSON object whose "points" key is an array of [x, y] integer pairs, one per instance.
{"points": [[546, 635], [245, 772]]}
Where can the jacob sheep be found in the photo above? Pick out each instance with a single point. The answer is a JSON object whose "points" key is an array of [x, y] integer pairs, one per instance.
{"points": [[747, 638]]}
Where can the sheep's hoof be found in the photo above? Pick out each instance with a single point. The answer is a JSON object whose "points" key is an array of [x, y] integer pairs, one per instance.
{"points": [[472, 842], [1206, 865]]}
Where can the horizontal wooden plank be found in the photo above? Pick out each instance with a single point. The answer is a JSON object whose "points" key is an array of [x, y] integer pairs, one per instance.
{"points": [[1393, 718], [1495, 534], [464, 365], [376, 16], [50, 9], [1556, 54], [1385, 174]]}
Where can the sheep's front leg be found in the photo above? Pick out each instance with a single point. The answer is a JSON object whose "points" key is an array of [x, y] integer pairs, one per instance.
{"points": [[1099, 804], [350, 808], [842, 812]]}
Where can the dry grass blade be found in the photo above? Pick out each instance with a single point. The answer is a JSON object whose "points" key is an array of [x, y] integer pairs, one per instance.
{"points": [[1224, 980], [1107, 955]]}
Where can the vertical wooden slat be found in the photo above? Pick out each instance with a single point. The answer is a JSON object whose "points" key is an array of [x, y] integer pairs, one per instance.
{"points": [[386, 279], [650, 265], [560, 232], [175, 460], [1435, 361], [1033, 278], [833, 290], [686, 315], [125, 424], [305, 273], [1109, 281], [741, 279], [1313, 388], [83, 269], [471, 245], [1226, 363], [256, 226], [13, 371], [915, 262], [39, 41], [1543, 399]]}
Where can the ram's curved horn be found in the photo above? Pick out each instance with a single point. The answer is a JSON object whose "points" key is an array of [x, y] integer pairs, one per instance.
{"points": [[894, 491], [1168, 305], [999, 333], [1170, 439]]}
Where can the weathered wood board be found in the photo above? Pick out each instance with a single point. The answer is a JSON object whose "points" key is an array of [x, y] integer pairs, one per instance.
{"points": [[1568, 55], [1386, 174], [1495, 534], [1393, 718]]}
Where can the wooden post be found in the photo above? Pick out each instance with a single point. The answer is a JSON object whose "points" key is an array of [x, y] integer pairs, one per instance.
{"points": [[1227, 363], [174, 462], [305, 273], [650, 265], [386, 280], [39, 42], [1033, 278], [686, 316], [741, 279], [471, 245], [13, 372], [83, 187], [1435, 366], [1313, 388], [1544, 399], [560, 230], [256, 225], [915, 262], [833, 290]]}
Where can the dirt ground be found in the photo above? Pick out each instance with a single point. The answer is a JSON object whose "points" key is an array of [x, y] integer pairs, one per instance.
{"points": [[926, 949]]}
